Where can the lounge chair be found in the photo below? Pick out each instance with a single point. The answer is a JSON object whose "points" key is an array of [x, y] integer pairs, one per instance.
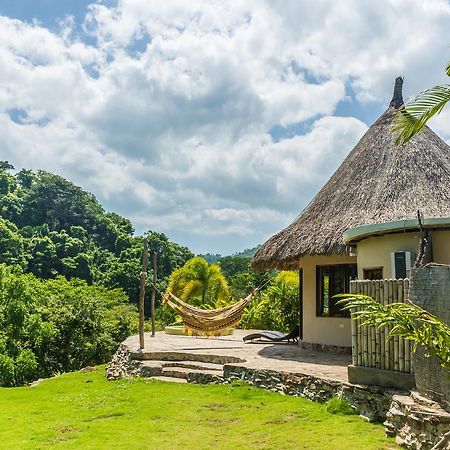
{"points": [[274, 336]]}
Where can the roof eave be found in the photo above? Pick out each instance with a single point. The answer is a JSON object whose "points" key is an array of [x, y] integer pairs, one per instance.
{"points": [[354, 235]]}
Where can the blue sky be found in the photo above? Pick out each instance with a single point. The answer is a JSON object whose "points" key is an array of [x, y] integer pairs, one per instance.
{"points": [[213, 122]]}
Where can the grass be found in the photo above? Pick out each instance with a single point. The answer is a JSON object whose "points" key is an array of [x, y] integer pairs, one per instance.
{"points": [[84, 411]]}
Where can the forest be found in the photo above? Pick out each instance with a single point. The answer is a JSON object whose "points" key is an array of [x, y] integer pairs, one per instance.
{"points": [[69, 278]]}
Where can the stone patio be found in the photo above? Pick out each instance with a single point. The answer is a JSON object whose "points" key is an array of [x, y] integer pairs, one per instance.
{"points": [[285, 368], [288, 358]]}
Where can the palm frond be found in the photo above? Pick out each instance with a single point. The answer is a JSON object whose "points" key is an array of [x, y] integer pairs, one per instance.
{"points": [[408, 321], [411, 118]]}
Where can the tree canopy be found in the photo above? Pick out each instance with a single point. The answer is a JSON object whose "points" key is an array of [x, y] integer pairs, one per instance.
{"points": [[50, 227]]}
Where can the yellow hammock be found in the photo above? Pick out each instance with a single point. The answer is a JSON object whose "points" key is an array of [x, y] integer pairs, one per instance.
{"points": [[207, 321]]}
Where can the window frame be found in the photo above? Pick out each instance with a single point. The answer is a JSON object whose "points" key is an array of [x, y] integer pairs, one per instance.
{"points": [[349, 271], [368, 270]]}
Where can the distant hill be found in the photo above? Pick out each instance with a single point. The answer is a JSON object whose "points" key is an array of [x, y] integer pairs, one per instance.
{"points": [[247, 253], [213, 258], [210, 258]]}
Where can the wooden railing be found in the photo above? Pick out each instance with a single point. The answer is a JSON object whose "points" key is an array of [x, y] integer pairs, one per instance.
{"points": [[370, 348]]}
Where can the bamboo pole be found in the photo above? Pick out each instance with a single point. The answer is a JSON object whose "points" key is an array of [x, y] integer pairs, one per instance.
{"points": [[396, 342], [376, 296], [387, 356], [408, 361], [401, 341], [354, 329], [360, 332], [382, 330], [392, 354], [152, 305], [365, 335], [373, 334], [142, 294]]}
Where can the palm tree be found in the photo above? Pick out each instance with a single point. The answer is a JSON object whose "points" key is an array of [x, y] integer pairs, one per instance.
{"points": [[416, 113], [200, 284]]}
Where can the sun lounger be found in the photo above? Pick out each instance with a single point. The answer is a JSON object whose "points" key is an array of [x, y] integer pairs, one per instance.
{"points": [[274, 336]]}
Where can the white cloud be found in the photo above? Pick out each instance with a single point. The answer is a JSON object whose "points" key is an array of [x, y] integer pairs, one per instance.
{"points": [[167, 117]]}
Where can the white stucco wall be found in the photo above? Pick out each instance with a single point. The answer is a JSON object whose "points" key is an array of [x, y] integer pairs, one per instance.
{"points": [[376, 251]]}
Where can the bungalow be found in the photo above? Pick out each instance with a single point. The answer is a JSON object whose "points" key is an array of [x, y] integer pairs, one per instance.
{"points": [[364, 224]]}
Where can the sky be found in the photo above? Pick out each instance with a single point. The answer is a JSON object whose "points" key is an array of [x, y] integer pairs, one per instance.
{"points": [[214, 122]]}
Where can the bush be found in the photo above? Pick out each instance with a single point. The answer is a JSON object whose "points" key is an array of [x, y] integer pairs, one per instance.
{"points": [[51, 326], [277, 307], [339, 405], [6, 370]]}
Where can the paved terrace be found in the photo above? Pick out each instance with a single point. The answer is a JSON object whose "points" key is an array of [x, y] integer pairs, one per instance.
{"points": [[281, 357]]}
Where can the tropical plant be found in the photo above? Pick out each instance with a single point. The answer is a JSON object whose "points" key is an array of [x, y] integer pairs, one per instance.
{"points": [[200, 284], [407, 320], [51, 326], [276, 308], [411, 118]]}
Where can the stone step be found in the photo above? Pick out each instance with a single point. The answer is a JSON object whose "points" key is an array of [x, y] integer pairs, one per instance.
{"points": [[193, 375], [150, 368], [170, 379], [193, 365]]}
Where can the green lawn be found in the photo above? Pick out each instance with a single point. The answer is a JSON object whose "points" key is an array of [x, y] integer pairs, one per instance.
{"points": [[83, 410]]}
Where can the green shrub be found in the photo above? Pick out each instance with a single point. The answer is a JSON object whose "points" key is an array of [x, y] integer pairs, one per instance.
{"points": [[26, 367], [58, 325], [277, 307], [6, 370], [339, 405]]}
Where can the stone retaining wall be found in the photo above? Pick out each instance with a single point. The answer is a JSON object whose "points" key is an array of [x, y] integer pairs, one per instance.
{"points": [[418, 423], [370, 402]]}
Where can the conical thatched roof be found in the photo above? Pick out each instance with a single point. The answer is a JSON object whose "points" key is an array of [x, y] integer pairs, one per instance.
{"points": [[377, 182]]}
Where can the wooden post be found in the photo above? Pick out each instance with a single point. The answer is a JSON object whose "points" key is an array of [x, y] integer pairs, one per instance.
{"points": [[300, 304], [142, 294], [152, 306]]}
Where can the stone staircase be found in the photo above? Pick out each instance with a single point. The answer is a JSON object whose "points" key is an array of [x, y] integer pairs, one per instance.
{"points": [[182, 371]]}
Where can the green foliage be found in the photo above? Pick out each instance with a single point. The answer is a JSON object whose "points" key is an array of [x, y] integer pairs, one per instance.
{"points": [[200, 284], [232, 265], [341, 406], [276, 308], [241, 277], [210, 258], [412, 118], [407, 320], [51, 326], [51, 227]]}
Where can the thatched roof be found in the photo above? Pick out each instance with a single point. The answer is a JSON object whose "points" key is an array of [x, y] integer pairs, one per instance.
{"points": [[377, 182]]}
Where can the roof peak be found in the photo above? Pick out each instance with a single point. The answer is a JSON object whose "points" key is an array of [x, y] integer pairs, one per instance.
{"points": [[397, 98]]}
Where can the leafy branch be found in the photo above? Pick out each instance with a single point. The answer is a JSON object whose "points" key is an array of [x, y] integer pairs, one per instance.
{"points": [[412, 117], [407, 320]]}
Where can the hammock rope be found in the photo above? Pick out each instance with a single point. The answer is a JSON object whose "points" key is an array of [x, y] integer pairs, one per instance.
{"points": [[209, 321], [204, 320]]}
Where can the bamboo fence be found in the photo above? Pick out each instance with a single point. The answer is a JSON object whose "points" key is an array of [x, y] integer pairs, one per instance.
{"points": [[370, 346]]}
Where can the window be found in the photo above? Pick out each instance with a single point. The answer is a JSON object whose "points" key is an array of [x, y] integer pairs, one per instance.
{"points": [[375, 273], [333, 280]]}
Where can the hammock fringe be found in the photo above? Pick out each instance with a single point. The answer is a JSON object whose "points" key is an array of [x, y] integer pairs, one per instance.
{"points": [[205, 321]]}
